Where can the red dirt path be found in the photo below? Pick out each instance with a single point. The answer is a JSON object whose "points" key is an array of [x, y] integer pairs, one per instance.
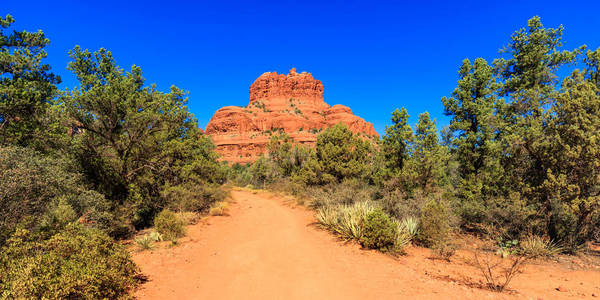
{"points": [[269, 248]]}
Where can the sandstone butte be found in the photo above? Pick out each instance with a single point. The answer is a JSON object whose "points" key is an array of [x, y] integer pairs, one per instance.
{"points": [[291, 103]]}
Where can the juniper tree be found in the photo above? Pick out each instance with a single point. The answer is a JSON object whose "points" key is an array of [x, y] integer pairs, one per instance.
{"points": [[572, 183], [428, 158], [396, 141], [134, 139], [26, 83], [474, 135]]}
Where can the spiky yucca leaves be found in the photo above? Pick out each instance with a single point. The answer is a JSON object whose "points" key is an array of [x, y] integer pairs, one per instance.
{"points": [[345, 220], [411, 226], [535, 246]]}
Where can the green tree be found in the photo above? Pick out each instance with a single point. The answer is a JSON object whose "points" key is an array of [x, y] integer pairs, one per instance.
{"points": [[428, 158], [572, 184], [280, 152], [339, 154], [592, 61], [26, 84], [396, 141], [474, 134], [132, 139], [528, 75]]}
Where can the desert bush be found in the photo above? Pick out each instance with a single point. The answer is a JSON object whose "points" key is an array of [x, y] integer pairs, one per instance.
{"points": [[411, 226], [379, 231], [146, 241], [535, 246], [75, 263], [496, 273], [346, 193], [434, 224], [32, 184], [219, 209], [288, 186], [399, 204], [345, 220], [351, 219], [328, 217], [169, 225], [193, 197], [444, 250], [403, 238], [189, 217]]}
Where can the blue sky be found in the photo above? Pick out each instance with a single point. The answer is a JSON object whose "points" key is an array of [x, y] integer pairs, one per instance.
{"points": [[372, 56]]}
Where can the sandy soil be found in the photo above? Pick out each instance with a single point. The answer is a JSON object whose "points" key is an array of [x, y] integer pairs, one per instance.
{"points": [[269, 248]]}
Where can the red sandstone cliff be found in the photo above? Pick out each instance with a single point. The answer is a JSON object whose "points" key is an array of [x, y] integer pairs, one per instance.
{"points": [[290, 103]]}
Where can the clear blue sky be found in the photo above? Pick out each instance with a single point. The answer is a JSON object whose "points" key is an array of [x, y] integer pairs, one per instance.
{"points": [[371, 56]]}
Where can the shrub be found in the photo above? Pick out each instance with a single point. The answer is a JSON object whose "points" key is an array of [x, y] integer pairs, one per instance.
{"points": [[379, 231], [146, 241], [76, 263], [219, 209], [169, 225], [345, 220], [31, 185], [193, 197], [328, 217], [188, 217], [351, 218], [411, 226], [346, 193], [435, 224], [491, 266], [444, 250], [403, 237], [535, 246]]}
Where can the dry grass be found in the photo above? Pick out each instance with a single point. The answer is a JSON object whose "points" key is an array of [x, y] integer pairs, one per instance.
{"points": [[189, 217], [535, 246], [219, 209]]}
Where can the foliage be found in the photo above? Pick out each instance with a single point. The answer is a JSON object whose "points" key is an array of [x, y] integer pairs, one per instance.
{"points": [[426, 167], [396, 141], [219, 209], [411, 226], [26, 84], [379, 231], [169, 225], [31, 185], [134, 141], [474, 136], [146, 241], [75, 263], [535, 246], [347, 192], [435, 224], [345, 220], [339, 154]]}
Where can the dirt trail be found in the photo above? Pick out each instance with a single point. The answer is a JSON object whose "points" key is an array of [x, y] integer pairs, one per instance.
{"points": [[268, 248]]}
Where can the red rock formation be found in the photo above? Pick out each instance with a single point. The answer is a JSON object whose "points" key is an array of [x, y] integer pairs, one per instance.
{"points": [[290, 103]]}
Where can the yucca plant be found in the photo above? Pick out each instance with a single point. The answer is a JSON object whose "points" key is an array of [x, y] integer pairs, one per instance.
{"points": [[155, 236], [403, 238], [352, 217], [144, 242], [411, 225], [536, 246], [327, 216]]}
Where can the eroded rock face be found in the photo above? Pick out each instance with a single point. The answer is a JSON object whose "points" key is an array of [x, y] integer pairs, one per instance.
{"points": [[291, 103]]}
